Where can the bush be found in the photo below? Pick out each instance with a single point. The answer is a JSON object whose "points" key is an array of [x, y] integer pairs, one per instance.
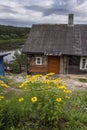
{"points": [[15, 67], [45, 103]]}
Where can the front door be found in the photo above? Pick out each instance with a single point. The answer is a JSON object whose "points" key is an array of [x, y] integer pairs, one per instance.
{"points": [[54, 64]]}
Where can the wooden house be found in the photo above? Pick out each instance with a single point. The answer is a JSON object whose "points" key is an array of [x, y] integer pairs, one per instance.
{"points": [[58, 48]]}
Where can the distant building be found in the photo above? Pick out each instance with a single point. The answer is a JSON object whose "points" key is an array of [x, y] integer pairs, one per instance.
{"points": [[58, 48], [2, 72], [10, 57]]}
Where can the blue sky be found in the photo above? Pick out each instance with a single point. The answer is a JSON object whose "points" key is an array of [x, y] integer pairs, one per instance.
{"points": [[28, 12]]}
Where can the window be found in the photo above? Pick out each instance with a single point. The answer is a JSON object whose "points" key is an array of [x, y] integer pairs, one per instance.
{"points": [[74, 60], [38, 60], [83, 63]]}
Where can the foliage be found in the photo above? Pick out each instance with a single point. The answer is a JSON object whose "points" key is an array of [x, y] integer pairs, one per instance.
{"points": [[12, 37], [10, 44], [2, 83], [8, 32], [19, 59], [45, 103], [14, 66]]}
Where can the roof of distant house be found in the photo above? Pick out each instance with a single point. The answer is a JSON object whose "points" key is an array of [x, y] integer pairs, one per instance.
{"points": [[4, 54]]}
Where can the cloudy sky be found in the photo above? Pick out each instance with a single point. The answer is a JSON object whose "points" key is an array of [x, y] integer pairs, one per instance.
{"points": [[28, 12]]}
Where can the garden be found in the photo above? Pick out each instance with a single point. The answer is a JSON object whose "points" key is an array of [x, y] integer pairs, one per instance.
{"points": [[42, 102]]}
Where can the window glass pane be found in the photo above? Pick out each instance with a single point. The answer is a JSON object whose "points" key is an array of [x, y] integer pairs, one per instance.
{"points": [[86, 64], [38, 60], [74, 60], [83, 63]]}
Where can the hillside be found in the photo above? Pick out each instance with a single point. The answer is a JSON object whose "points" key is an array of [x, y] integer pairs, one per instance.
{"points": [[12, 37]]}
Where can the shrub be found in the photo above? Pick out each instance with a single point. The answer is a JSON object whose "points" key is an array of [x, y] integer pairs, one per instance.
{"points": [[14, 66]]}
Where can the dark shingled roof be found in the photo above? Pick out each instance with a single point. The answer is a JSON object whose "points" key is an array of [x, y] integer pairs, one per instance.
{"points": [[57, 39]]}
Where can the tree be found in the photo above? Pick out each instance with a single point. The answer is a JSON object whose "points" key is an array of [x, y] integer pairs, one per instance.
{"points": [[19, 60]]}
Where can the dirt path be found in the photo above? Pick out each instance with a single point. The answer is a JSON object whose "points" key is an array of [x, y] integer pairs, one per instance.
{"points": [[72, 81]]}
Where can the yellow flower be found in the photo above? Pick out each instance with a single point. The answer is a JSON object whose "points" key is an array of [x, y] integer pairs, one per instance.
{"points": [[34, 99], [67, 91], [58, 99], [1, 97], [62, 87], [67, 97], [50, 74], [56, 81], [49, 86], [2, 84], [47, 81], [27, 76], [6, 85], [21, 99]]}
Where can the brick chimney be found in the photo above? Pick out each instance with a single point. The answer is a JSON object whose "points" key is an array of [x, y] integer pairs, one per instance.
{"points": [[70, 19]]}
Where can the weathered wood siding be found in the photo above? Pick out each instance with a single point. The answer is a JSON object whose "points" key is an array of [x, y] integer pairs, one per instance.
{"points": [[38, 69], [33, 68], [58, 65], [74, 65], [49, 64]]}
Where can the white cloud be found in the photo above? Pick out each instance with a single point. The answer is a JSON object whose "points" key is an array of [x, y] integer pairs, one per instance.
{"points": [[82, 8], [27, 12]]}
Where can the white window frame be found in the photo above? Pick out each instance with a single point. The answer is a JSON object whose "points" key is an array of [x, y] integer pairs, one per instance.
{"points": [[81, 63], [40, 61]]}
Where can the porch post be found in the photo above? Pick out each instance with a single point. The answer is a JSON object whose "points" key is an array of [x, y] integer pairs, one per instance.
{"points": [[27, 64], [61, 65], [65, 65]]}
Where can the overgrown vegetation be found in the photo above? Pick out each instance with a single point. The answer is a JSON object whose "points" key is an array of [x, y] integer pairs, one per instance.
{"points": [[45, 103], [12, 37], [11, 44], [18, 64]]}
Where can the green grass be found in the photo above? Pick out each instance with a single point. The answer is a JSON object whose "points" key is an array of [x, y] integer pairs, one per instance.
{"points": [[83, 80], [13, 90]]}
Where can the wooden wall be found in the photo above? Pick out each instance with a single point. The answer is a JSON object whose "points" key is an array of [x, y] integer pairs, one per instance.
{"points": [[33, 68], [68, 65], [74, 65]]}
